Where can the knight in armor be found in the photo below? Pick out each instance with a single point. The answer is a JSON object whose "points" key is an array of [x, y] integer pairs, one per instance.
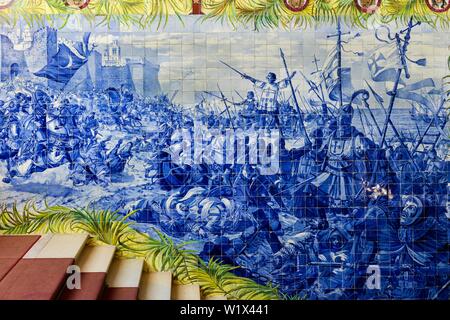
{"points": [[346, 168], [308, 166]]}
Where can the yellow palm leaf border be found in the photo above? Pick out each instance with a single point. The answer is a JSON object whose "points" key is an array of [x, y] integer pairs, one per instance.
{"points": [[255, 13], [162, 253]]}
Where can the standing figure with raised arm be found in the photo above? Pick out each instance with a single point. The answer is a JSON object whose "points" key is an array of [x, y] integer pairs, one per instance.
{"points": [[268, 107]]}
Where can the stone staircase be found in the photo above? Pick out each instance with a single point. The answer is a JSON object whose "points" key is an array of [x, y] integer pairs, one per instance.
{"points": [[34, 267]]}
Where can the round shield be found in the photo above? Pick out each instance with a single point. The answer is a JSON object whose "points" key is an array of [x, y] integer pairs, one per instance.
{"points": [[5, 4], [438, 6], [296, 5], [77, 4], [368, 6]]}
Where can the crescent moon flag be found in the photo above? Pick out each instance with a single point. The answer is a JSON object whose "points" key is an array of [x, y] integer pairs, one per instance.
{"points": [[66, 62]]}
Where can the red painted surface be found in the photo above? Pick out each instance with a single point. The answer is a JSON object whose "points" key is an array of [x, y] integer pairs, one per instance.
{"points": [[92, 284], [35, 279], [121, 294], [196, 7]]}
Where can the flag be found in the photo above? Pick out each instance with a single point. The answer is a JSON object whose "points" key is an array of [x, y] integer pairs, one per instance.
{"points": [[333, 82], [410, 93], [384, 63], [66, 62]]}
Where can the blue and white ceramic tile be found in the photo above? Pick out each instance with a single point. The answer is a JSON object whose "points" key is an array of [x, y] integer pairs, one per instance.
{"points": [[315, 160]]}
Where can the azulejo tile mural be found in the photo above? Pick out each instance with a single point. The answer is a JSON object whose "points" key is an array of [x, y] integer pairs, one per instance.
{"points": [[305, 143]]}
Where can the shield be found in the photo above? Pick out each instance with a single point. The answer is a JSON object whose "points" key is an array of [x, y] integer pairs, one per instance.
{"points": [[368, 6], [438, 6], [77, 4], [296, 5], [5, 4]]}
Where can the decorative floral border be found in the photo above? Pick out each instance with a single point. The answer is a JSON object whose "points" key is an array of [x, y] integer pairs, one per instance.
{"points": [[82, 6], [257, 14]]}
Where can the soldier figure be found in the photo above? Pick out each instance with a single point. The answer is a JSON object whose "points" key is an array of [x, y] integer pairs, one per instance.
{"points": [[268, 108], [345, 166]]}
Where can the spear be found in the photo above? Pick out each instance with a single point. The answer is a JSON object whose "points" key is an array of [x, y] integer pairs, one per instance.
{"points": [[397, 134], [216, 96], [302, 123], [240, 96], [380, 103], [360, 113], [419, 142], [404, 67], [226, 106]]}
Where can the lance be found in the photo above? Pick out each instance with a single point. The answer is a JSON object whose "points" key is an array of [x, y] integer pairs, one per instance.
{"points": [[360, 113], [173, 96], [312, 88], [315, 90], [419, 142], [371, 113], [240, 104], [380, 103], [295, 98], [215, 96], [418, 129], [397, 134], [404, 67], [226, 106], [446, 285], [324, 104]]}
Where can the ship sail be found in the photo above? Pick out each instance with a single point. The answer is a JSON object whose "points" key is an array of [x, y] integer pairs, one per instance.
{"points": [[333, 82]]}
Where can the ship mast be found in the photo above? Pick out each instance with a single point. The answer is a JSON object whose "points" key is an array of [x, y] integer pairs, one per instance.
{"points": [[339, 35]]}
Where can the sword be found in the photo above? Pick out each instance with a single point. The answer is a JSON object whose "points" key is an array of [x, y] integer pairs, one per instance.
{"points": [[243, 75]]}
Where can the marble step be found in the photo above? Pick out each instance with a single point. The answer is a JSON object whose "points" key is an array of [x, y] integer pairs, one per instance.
{"points": [[155, 286], [61, 246], [96, 258], [12, 249], [123, 279], [214, 298], [94, 263], [42, 272], [185, 292]]}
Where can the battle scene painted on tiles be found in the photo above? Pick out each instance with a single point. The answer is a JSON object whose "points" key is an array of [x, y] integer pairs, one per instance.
{"points": [[315, 160]]}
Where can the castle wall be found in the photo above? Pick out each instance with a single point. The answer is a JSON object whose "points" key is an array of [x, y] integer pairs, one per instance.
{"points": [[151, 85], [8, 57], [141, 78]]}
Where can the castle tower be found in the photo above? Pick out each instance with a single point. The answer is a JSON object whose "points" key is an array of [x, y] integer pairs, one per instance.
{"points": [[112, 56], [44, 47]]}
